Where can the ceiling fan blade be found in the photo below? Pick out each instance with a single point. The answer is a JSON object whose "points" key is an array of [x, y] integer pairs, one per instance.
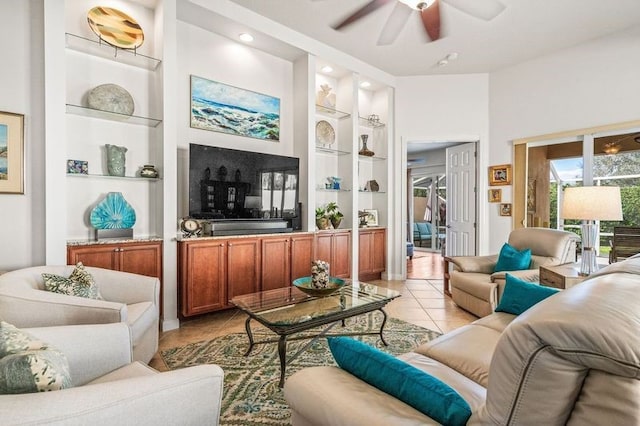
{"points": [[431, 20], [394, 24], [483, 9], [363, 11]]}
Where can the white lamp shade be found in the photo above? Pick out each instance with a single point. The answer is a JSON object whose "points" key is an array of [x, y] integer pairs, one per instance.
{"points": [[592, 203]]}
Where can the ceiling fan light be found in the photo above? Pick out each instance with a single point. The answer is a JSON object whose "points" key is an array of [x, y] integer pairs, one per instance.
{"points": [[418, 4], [611, 148]]}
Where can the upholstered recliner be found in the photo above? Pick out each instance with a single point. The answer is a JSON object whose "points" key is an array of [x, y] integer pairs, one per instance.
{"points": [[475, 286], [128, 298], [110, 389]]}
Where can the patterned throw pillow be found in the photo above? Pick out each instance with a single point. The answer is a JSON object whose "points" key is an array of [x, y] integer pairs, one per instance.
{"points": [[29, 365], [80, 283]]}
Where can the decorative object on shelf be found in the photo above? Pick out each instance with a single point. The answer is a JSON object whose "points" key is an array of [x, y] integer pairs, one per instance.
{"points": [[372, 217], [319, 274], [362, 218], [335, 180], [149, 171], [222, 108], [334, 214], [495, 195], [500, 175], [305, 285], [11, 153], [325, 98], [190, 227], [111, 98], [365, 151], [115, 27], [322, 221], [505, 209], [325, 134], [373, 120], [115, 160], [372, 185], [114, 212], [77, 167]]}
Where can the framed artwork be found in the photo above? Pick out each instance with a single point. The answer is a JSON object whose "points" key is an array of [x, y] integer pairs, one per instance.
{"points": [[495, 195], [11, 153], [500, 175], [505, 209], [222, 108], [372, 217]]}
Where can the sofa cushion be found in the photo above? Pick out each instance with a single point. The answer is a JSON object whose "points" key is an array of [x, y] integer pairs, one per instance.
{"points": [[80, 283], [512, 259], [418, 389], [29, 365], [520, 295]]}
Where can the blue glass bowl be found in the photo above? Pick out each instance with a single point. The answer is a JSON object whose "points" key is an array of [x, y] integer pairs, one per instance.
{"points": [[304, 284]]}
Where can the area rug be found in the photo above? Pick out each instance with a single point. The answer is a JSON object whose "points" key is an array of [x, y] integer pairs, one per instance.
{"points": [[251, 393]]}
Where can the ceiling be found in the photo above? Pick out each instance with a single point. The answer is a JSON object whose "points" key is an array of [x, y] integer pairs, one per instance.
{"points": [[524, 30]]}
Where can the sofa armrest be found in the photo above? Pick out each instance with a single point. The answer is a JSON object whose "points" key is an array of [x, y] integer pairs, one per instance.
{"points": [[92, 350], [189, 396], [124, 287], [40, 308], [480, 264]]}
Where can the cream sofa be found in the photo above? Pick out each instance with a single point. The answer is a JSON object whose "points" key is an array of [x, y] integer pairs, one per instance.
{"points": [[110, 389], [476, 288], [128, 298], [572, 359]]}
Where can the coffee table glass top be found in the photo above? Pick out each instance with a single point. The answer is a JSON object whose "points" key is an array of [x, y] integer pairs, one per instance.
{"points": [[289, 305]]}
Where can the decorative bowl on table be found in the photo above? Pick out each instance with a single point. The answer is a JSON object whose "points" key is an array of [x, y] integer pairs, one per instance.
{"points": [[305, 285]]}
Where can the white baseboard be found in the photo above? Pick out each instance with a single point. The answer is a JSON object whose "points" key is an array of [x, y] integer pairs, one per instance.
{"points": [[171, 324]]}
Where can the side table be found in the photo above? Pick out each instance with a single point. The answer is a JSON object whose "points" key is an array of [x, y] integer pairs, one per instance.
{"points": [[561, 276]]}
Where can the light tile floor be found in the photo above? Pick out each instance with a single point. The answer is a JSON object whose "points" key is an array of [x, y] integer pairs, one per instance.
{"points": [[422, 303]]}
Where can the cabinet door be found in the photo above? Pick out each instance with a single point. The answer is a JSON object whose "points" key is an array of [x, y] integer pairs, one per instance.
{"points": [[365, 248], [301, 255], [323, 248], [341, 255], [202, 275], [275, 271], [243, 266], [98, 255], [143, 259], [379, 252]]}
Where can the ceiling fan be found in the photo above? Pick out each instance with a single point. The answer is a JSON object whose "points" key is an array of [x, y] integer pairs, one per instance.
{"points": [[429, 13]]}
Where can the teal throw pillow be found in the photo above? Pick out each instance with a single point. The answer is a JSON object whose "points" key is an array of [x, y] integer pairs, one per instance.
{"points": [[510, 259], [519, 295], [414, 387]]}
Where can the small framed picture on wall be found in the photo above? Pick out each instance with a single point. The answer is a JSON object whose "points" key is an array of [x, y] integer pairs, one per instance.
{"points": [[500, 175], [505, 209], [495, 195]]}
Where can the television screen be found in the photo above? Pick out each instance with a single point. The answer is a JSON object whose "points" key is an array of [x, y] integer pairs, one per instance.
{"points": [[231, 184]]}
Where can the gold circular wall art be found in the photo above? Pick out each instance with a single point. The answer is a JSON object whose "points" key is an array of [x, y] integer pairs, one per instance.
{"points": [[115, 27]]}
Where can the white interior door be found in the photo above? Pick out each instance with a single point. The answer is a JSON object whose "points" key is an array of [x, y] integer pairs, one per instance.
{"points": [[461, 200]]}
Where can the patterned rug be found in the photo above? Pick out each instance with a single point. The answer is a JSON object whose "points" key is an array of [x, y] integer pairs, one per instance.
{"points": [[251, 393]]}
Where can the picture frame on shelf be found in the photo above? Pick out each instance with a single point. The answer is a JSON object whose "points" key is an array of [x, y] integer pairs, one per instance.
{"points": [[500, 175], [11, 153], [505, 209], [495, 195], [77, 167], [252, 114], [372, 217]]}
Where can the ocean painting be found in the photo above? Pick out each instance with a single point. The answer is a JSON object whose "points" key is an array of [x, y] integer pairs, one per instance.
{"points": [[3, 152], [223, 108]]}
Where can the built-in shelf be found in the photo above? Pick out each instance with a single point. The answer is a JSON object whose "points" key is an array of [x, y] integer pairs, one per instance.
{"points": [[366, 158], [332, 190], [113, 116], [80, 175], [331, 112], [371, 192], [365, 122], [104, 50], [330, 151]]}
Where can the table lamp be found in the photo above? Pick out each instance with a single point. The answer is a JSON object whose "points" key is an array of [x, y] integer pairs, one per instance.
{"points": [[591, 203]]}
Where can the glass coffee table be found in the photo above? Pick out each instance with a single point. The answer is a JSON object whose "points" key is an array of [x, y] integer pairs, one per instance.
{"points": [[287, 311]]}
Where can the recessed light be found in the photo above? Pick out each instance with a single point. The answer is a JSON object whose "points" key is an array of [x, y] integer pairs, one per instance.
{"points": [[442, 62], [327, 68], [452, 56], [365, 84], [246, 37]]}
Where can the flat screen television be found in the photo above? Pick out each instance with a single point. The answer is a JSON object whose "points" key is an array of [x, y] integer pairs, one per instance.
{"points": [[228, 184]]}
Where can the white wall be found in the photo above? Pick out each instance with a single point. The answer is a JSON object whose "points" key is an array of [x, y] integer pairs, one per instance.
{"points": [[22, 91], [592, 84]]}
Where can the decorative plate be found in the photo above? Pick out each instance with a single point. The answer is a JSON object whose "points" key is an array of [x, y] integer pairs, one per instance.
{"points": [[114, 212], [111, 98], [115, 27], [325, 134], [304, 285]]}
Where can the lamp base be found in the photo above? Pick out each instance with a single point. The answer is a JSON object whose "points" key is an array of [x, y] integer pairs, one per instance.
{"points": [[588, 264]]}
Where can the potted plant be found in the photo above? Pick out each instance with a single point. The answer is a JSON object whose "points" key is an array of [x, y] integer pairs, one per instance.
{"points": [[322, 220], [334, 214]]}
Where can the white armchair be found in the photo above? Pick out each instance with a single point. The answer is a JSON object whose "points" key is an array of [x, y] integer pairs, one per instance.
{"points": [[129, 298], [110, 389]]}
